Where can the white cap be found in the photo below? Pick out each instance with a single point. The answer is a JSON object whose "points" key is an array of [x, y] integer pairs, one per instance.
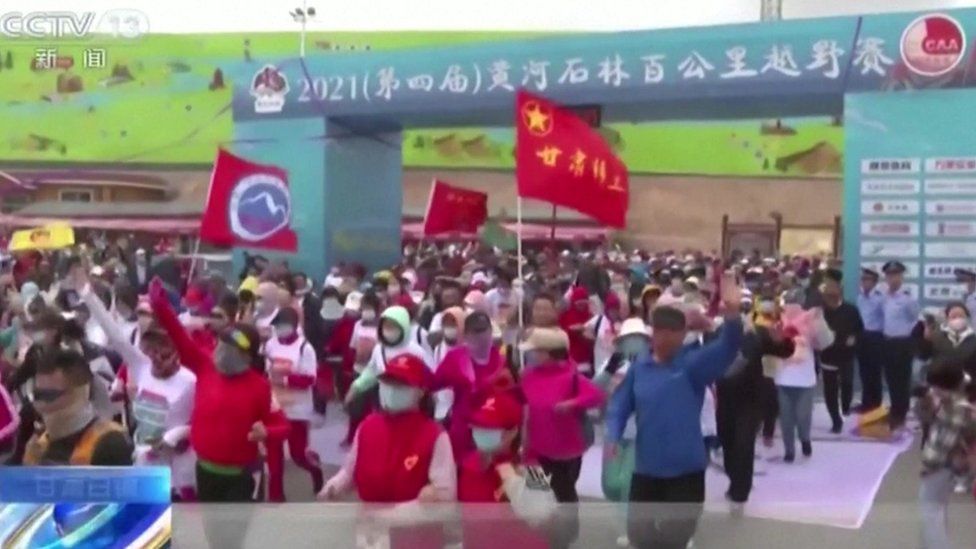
{"points": [[479, 277], [354, 301], [633, 326]]}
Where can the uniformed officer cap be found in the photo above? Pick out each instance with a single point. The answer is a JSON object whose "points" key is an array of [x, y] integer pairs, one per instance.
{"points": [[965, 274], [870, 273], [893, 267]]}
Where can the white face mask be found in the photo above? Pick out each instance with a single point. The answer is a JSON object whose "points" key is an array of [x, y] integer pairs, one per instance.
{"points": [[284, 330], [450, 334], [398, 398], [369, 315], [958, 324], [331, 310]]}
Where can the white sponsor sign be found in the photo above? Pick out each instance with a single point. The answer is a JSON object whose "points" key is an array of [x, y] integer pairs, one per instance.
{"points": [[946, 271], [912, 268], [962, 164], [889, 228], [950, 228], [944, 292], [950, 207], [950, 186], [870, 187], [890, 207], [950, 250], [887, 249], [890, 165]]}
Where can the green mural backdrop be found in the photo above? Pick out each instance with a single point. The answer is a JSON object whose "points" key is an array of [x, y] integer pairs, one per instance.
{"points": [[166, 99]]}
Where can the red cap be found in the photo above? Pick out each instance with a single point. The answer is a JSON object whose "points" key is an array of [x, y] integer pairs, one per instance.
{"points": [[501, 410], [408, 369], [579, 294]]}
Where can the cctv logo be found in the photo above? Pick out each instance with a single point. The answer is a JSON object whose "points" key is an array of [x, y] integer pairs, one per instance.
{"points": [[67, 24]]}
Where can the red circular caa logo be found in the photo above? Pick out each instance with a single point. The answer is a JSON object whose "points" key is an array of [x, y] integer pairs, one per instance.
{"points": [[933, 45]]}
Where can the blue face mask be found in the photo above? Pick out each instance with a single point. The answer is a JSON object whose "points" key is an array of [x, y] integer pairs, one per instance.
{"points": [[398, 398], [487, 440]]}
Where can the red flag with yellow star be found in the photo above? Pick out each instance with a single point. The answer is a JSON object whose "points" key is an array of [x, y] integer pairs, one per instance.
{"points": [[453, 209], [559, 158]]}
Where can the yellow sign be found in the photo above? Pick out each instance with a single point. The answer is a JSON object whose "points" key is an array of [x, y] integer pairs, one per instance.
{"points": [[50, 237]]}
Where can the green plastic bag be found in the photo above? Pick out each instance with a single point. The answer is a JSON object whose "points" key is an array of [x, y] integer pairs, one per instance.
{"points": [[617, 472]]}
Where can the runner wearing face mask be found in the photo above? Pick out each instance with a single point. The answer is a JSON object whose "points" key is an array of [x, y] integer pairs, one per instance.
{"points": [[452, 325], [232, 404], [399, 454]]}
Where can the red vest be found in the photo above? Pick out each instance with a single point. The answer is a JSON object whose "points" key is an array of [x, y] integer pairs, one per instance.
{"points": [[477, 484], [393, 456]]}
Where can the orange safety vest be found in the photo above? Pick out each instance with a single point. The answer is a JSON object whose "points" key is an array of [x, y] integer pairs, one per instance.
{"points": [[82, 454]]}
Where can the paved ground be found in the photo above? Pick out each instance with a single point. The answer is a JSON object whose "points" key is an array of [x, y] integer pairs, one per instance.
{"points": [[892, 524]]}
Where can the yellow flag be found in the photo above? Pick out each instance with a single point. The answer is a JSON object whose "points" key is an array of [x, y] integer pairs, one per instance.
{"points": [[49, 237]]}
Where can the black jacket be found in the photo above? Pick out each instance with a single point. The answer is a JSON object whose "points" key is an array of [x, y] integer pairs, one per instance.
{"points": [[313, 323], [940, 348], [745, 380], [845, 322]]}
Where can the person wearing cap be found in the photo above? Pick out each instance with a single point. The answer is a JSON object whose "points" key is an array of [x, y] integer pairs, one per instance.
{"points": [[648, 301], [668, 388], [967, 277], [901, 316], [631, 344], [163, 393], [557, 435], [557, 396], [232, 408], [492, 474], [399, 454], [292, 367], [870, 304], [837, 360]]}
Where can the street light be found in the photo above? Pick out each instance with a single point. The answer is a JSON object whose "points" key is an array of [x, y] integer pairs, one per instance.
{"points": [[302, 15]]}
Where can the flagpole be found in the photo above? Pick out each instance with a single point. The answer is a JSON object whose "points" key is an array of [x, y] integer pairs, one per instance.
{"points": [[193, 262], [520, 294]]}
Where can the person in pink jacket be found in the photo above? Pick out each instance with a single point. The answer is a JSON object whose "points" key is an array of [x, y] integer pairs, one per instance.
{"points": [[558, 398]]}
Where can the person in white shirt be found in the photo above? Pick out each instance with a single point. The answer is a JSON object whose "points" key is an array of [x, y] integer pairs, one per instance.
{"points": [[394, 340], [796, 377], [453, 325], [604, 328], [162, 396], [292, 366]]}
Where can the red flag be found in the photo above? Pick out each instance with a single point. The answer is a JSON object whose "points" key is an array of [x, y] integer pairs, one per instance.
{"points": [[454, 209], [561, 160], [249, 205]]}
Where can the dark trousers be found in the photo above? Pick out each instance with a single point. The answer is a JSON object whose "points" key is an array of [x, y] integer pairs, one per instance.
{"points": [[869, 361], [738, 423], [838, 389], [214, 487], [769, 400], [664, 512], [564, 474], [898, 355]]}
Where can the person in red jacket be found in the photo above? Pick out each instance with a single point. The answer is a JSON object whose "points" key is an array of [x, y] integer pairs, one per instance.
{"points": [[573, 322], [399, 454], [489, 475], [232, 409]]}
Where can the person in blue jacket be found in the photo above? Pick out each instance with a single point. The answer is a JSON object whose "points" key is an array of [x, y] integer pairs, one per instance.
{"points": [[666, 391]]}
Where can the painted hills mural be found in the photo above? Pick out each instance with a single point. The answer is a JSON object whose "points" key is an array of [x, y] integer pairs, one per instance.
{"points": [[166, 99]]}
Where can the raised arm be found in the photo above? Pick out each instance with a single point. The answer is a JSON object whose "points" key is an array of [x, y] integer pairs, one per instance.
{"points": [[117, 341], [708, 363], [191, 355]]}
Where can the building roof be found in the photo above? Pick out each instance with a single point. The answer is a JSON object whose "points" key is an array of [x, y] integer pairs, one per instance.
{"points": [[112, 209]]}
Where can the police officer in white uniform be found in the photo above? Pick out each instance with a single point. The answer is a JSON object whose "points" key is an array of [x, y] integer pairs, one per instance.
{"points": [[901, 316], [968, 277]]}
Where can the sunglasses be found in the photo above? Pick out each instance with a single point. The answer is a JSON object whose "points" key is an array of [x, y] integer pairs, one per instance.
{"points": [[48, 395]]}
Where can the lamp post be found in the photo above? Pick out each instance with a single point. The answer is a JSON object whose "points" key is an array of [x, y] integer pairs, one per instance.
{"points": [[302, 15]]}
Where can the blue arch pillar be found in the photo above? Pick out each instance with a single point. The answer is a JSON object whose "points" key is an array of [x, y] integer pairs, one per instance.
{"points": [[347, 193]]}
